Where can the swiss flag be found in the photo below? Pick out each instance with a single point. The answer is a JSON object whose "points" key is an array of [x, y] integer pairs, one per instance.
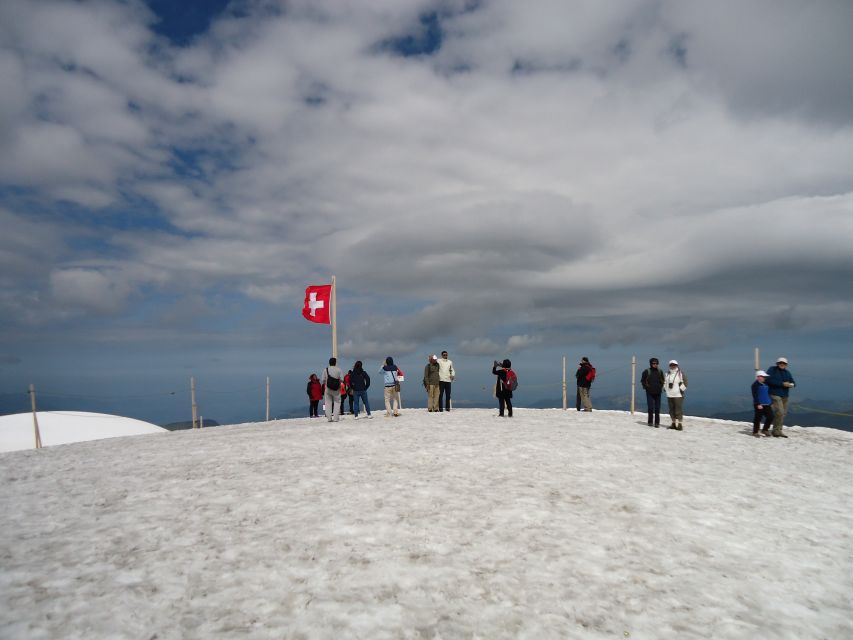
{"points": [[318, 303]]}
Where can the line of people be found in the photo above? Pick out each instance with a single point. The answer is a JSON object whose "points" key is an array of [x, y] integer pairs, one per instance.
{"points": [[770, 391]]}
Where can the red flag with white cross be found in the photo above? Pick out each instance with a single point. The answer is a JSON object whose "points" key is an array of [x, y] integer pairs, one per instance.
{"points": [[318, 303]]}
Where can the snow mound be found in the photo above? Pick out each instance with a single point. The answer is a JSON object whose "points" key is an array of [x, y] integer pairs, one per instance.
{"points": [[65, 427], [450, 525]]}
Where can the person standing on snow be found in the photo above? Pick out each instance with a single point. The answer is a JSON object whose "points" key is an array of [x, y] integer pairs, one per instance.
{"points": [[653, 381], [585, 375], [780, 381], [675, 384], [332, 383], [359, 384], [431, 382], [389, 373], [503, 392], [315, 393], [761, 403], [446, 375]]}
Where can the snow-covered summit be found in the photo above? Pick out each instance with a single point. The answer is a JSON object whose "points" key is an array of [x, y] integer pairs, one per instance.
{"points": [[549, 525]]}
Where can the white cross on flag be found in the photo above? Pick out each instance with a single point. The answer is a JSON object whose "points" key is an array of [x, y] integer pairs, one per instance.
{"points": [[318, 303]]}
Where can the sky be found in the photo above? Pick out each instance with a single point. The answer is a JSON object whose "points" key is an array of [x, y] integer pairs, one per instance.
{"points": [[494, 178]]}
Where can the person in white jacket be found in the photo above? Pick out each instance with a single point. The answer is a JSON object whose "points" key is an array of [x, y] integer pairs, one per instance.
{"points": [[675, 384], [446, 375]]}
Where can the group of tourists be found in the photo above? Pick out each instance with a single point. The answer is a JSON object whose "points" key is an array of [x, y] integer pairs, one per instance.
{"points": [[334, 386], [770, 390]]}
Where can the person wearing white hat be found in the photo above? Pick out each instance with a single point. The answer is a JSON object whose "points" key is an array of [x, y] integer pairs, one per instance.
{"points": [[675, 384], [431, 380], [761, 403], [780, 381]]}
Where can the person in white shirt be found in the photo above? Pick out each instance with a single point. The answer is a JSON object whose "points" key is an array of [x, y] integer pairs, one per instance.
{"points": [[332, 379], [446, 375], [675, 384]]}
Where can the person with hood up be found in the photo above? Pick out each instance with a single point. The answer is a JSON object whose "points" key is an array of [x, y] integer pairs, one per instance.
{"points": [[431, 382], [392, 387], [780, 381], [333, 382], [652, 381], [503, 392], [761, 403], [315, 393], [585, 375], [675, 384], [359, 384]]}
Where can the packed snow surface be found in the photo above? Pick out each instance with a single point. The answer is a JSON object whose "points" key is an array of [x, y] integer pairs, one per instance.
{"points": [[454, 525], [63, 427]]}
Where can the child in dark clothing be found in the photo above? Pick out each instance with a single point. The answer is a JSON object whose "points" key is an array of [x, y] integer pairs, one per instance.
{"points": [[761, 403]]}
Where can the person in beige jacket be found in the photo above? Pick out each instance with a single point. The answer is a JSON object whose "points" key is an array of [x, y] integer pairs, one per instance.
{"points": [[431, 381]]}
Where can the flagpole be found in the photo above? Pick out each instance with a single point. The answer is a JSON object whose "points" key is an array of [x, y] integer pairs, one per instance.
{"points": [[334, 319]]}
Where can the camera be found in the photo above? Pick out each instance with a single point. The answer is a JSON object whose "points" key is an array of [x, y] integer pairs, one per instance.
{"points": [[670, 384]]}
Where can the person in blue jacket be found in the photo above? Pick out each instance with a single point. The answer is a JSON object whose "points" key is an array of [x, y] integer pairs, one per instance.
{"points": [[761, 403], [780, 381], [389, 372]]}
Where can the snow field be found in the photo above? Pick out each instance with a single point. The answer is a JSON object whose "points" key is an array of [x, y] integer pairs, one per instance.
{"points": [[462, 525]]}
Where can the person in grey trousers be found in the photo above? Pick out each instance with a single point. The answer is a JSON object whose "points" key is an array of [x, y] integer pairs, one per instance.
{"points": [[332, 380]]}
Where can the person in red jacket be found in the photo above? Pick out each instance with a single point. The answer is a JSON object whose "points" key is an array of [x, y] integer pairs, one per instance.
{"points": [[315, 392]]}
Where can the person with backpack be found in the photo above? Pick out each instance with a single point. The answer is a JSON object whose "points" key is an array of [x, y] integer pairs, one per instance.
{"points": [[389, 372], [332, 382], [431, 382], [653, 381], [675, 384], [315, 393], [507, 381], [359, 383], [585, 375]]}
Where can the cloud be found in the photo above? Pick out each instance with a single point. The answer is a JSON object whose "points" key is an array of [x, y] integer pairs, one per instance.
{"points": [[583, 170]]}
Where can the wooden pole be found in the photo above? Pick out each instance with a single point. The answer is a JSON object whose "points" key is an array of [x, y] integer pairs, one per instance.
{"points": [[633, 382], [757, 360], [334, 318], [268, 398], [35, 416], [565, 399], [201, 422], [195, 406]]}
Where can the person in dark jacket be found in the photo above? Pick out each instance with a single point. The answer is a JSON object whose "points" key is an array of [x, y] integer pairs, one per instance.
{"points": [[315, 392], [584, 375], [652, 381], [502, 390], [359, 383], [761, 403], [780, 381]]}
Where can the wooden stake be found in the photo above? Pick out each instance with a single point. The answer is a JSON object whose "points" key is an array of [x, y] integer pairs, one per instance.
{"points": [[757, 360], [35, 416], [268, 398], [565, 398], [633, 381], [195, 406]]}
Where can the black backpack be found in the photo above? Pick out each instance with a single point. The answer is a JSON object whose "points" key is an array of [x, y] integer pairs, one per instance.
{"points": [[332, 383]]}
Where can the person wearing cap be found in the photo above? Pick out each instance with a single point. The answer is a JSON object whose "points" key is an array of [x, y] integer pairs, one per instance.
{"points": [[585, 375], [446, 375], [431, 380], [389, 372], [780, 381], [653, 381], [675, 384], [761, 402]]}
